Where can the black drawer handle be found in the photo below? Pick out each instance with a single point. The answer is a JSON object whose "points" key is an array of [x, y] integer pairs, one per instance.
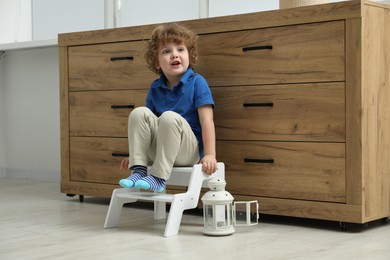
{"points": [[120, 155], [270, 104], [257, 48], [249, 160], [122, 58], [122, 106]]}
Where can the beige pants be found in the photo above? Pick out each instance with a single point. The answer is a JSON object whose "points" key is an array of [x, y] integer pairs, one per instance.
{"points": [[167, 141]]}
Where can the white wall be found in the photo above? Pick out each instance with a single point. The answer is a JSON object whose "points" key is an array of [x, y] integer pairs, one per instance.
{"points": [[15, 21], [2, 118], [32, 119], [158, 11], [51, 17]]}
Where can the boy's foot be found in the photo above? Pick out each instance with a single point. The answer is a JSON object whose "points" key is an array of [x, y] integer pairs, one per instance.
{"points": [[138, 173], [151, 183]]}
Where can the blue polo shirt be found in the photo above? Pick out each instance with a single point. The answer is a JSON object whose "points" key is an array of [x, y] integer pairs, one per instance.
{"points": [[185, 98]]}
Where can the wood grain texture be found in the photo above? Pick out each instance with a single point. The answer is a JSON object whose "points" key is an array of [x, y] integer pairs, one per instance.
{"points": [[91, 159], [297, 112], [300, 53], [103, 113], [64, 115], [354, 112], [109, 66], [306, 171], [376, 111]]}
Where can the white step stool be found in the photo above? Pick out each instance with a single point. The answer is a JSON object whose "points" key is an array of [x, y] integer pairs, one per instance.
{"points": [[191, 177]]}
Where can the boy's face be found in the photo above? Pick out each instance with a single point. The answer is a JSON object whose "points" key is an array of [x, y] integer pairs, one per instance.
{"points": [[173, 59]]}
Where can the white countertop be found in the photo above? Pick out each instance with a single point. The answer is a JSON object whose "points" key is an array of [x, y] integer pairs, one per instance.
{"points": [[28, 45]]}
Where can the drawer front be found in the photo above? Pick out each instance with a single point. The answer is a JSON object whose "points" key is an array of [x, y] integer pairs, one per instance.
{"points": [[305, 171], [296, 112], [109, 66], [288, 54], [97, 159], [103, 113]]}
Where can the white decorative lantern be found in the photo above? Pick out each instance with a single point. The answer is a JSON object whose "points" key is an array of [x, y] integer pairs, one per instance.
{"points": [[218, 209], [219, 213]]}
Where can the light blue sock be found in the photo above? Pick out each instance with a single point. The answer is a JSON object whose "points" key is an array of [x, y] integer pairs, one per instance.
{"points": [[151, 183], [138, 173]]}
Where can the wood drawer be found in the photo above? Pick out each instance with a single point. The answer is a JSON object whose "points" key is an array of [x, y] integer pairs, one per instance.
{"points": [[300, 53], [305, 171], [103, 113], [294, 112], [97, 160], [92, 160], [108, 66]]}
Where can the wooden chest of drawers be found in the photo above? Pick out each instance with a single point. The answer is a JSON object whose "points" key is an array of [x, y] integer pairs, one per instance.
{"points": [[302, 107]]}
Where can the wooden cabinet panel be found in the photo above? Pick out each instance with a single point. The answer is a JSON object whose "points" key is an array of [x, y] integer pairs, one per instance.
{"points": [[103, 113], [295, 170], [108, 66], [93, 160], [298, 112], [289, 54]]}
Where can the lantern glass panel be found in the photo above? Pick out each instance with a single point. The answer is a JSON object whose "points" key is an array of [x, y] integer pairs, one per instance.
{"points": [[223, 216], [246, 213], [208, 216], [220, 216]]}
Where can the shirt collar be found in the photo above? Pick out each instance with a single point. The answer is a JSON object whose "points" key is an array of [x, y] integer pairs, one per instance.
{"points": [[186, 76]]}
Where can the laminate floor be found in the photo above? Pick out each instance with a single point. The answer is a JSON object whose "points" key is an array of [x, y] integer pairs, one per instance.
{"points": [[38, 222]]}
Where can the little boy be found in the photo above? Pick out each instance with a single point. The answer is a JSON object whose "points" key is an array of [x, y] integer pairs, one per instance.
{"points": [[176, 128]]}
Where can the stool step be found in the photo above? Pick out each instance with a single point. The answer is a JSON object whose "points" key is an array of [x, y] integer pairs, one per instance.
{"points": [[146, 196]]}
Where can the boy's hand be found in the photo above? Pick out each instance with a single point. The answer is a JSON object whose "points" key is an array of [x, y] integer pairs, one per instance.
{"points": [[209, 164], [125, 164]]}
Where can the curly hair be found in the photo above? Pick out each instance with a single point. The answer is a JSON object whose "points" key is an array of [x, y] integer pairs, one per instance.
{"points": [[170, 33]]}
